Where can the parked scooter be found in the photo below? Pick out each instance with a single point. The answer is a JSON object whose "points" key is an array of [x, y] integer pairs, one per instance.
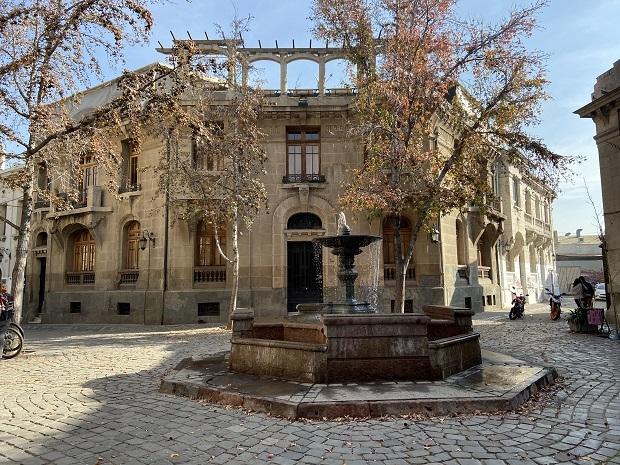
{"points": [[11, 334], [555, 304], [518, 307]]}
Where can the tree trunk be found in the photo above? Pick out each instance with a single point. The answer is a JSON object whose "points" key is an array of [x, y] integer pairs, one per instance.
{"points": [[400, 270], [234, 291], [21, 254]]}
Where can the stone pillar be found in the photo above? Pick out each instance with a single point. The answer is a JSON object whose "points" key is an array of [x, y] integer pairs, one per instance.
{"points": [[283, 70], [322, 76], [244, 74], [242, 322]]}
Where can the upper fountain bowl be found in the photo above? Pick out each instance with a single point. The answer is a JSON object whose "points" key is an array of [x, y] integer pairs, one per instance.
{"points": [[348, 242]]}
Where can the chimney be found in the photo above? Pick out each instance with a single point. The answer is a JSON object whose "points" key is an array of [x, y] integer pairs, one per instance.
{"points": [[578, 232]]}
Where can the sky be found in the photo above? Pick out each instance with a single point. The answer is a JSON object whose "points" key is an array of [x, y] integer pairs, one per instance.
{"points": [[581, 38]]}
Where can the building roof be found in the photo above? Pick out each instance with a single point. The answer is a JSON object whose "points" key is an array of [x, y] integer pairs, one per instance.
{"points": [[582, 246]]}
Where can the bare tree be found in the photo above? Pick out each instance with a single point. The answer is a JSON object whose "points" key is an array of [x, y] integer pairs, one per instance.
{"points": [[49, 50]]}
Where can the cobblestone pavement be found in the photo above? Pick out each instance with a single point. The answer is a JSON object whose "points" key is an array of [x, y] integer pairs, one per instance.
{"points": [[88, 395]]}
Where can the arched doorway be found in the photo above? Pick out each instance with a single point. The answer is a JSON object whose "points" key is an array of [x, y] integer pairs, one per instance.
{"points": [[304, 262]]}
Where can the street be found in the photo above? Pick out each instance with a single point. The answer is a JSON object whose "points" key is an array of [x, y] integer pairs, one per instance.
{"points": [[88, 395]]}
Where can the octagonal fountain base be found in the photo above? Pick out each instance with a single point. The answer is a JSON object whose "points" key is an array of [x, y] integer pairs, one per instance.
{"points": [[499, 383], [357, 347]]}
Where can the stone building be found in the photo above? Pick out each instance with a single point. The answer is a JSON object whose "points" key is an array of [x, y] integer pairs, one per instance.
{"points": [[124, 259], [604, 109], [578, 255], [10, 215]]}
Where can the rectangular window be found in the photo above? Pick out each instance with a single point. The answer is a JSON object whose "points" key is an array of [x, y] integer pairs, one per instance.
{"points": [[209, 309], [75, 307], [129, 181], [303, 154], [516, 192], [123, 308], [206, 155], [88, 168]]}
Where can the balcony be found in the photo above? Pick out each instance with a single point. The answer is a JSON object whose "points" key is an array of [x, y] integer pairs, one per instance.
{"points": [[537, 226], [389, 273], [494, 203], [484, 272], [79, 278], [302, 178], [129, 188], [42, 204], [210, 274], [128, 276]]}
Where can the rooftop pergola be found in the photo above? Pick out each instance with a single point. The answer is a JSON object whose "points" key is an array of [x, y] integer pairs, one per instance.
{"points": [[281, 55]]}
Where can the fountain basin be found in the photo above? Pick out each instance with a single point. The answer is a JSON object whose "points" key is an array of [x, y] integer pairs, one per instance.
{"points": [[366, 347]]}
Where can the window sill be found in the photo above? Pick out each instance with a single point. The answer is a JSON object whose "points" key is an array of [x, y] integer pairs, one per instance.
{"points": [[297, 185], [125, 195], [79, 211]]}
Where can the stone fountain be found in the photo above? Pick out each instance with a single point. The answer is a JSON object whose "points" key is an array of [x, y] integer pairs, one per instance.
{"points": [[349, 341], [331, 360], [346, 247]]}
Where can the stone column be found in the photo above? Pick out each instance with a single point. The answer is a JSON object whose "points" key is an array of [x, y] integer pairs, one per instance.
{"points": [[283, 83], [322, 76]]}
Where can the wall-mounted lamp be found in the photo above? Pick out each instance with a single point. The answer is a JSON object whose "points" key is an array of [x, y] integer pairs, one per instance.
{"points": [[147, 236], [434, 236]]}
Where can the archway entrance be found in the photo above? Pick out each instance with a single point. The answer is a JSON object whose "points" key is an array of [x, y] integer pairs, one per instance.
{"points": [[304, 266]]}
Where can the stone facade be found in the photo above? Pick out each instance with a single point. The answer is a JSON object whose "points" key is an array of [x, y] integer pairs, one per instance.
{"points": [[11, 210], [526, 248], [605, 112], [169, 281]]}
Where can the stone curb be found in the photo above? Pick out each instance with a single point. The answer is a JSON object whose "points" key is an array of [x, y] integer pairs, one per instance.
{"points": [[511, 400]]}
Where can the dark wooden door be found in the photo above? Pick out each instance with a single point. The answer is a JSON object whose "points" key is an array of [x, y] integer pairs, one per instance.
{"points": [[304, 280], [42, 268]]}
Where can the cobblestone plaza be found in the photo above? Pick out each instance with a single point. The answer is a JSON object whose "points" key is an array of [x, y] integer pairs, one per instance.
{"points": [[88, 395]]}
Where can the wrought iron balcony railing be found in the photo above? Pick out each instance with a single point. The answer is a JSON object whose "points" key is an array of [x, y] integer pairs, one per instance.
{"points": [[210, 274], [129, 188], [80, 277], [129, 276], [293, 178], [389, 273]]}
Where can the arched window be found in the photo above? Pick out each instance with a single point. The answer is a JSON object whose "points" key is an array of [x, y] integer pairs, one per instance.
{"points": [[389, 258], [83, 251], [304, 221], [41, 239], [460, 243], [131, 246], [207, 253]]}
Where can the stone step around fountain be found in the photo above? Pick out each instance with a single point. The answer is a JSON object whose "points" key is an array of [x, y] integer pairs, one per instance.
{"points": [[499, 383]]}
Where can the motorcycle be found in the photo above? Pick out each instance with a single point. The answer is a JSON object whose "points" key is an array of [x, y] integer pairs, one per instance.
{"points": [[11, 334], [518, 307], [555, 304]]}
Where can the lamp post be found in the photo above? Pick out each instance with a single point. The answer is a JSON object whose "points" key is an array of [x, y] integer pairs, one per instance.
{"points": [[147, 239]]}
